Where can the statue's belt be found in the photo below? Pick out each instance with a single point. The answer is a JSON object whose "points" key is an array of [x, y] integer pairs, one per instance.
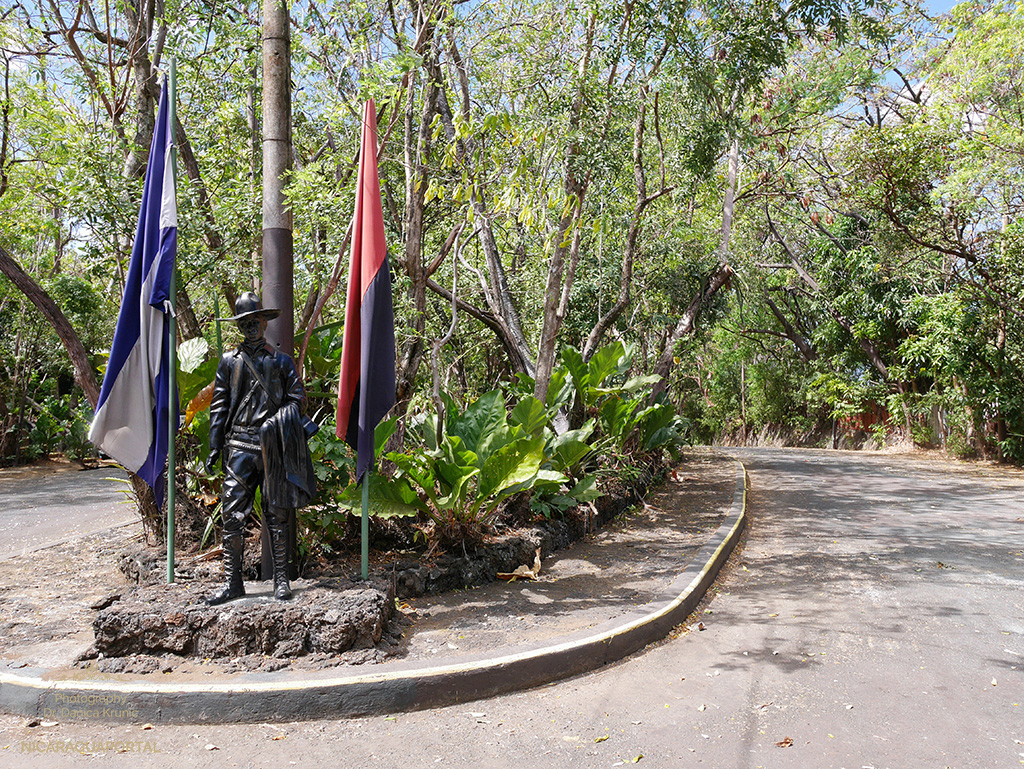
{"points": [[238, 441]]}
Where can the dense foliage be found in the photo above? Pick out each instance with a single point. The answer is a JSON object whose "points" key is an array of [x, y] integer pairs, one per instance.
{"points": [[797, 217]]}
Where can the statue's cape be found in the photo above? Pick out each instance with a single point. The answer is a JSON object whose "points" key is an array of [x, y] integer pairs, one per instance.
{"points": [[289, 477]]}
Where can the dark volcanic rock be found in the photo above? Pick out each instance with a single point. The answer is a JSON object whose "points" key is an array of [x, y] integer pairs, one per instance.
{"points": [[327, 618]]}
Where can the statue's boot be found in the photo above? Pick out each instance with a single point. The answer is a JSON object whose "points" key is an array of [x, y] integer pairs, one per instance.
{"points": [[232, 587], [279, 547]]}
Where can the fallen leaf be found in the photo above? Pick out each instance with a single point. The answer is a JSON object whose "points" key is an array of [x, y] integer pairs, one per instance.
{"points": [[637, 759], [524, 571], [279, 737], [785, 742], [602, 738], [700, 626]]}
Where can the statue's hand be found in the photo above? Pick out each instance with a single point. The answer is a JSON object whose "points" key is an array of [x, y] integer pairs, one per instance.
{"points": [[211, 462]]}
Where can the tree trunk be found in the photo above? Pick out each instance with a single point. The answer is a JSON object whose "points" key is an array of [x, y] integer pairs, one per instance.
{"points": [[144, 87], [575, 190], [85, 376], [729, 205], [803, 347], [719, 278], [504, 317], [417, 154], [687, 323], [499, 297], [278, 288], [629, 251]]}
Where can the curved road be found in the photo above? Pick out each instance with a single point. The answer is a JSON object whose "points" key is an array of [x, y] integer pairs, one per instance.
{"points": [[874, 617], [47, 503]]}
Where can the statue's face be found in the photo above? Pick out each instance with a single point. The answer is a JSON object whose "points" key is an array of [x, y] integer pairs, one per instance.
{"points": [[252, 328]]}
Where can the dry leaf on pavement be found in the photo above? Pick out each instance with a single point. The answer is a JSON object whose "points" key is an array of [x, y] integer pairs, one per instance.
{"points": [[524, 571]]}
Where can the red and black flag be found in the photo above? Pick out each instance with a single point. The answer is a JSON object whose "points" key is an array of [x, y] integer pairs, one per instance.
{"points": [[366, 391]]}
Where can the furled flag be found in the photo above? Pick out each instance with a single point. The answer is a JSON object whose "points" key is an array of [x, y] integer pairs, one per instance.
{"points": [[366, 391], [131, 422]]}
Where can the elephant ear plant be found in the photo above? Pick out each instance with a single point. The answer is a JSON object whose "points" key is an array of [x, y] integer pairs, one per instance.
{"points": [[458, 476], [628, 425], [481, 459]]}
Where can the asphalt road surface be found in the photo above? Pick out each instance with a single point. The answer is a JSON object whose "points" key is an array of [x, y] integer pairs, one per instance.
{"points": [[874, 617], [48, 503]]}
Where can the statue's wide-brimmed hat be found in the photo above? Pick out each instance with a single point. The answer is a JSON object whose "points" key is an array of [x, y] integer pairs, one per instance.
{"points": [[248, 305]]}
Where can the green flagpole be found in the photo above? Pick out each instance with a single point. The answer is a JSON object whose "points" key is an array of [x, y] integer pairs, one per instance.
{"points": [[172, 411], [366, 524], [216, 316]]}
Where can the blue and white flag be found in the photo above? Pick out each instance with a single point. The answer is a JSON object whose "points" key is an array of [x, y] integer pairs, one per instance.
{"points": [[132, 414]]}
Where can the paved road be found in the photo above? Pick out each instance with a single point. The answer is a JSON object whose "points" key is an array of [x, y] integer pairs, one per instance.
{"points": [[49, 503], [873, 618]]}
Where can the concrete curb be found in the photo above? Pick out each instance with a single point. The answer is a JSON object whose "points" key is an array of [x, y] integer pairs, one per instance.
{"points": [[277, 697]]}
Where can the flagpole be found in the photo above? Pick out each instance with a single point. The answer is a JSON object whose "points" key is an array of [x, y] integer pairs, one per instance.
{"points": [[172, 332], [366, 524]]}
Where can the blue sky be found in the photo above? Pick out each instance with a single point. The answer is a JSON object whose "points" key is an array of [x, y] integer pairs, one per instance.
{"points": [[941, 6]]}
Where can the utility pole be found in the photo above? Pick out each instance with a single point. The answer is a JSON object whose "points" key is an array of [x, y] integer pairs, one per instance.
{"points": [[278, 273], [277, 162]]}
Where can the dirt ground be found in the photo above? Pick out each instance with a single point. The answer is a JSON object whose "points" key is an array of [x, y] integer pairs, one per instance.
{"points": [[49, 598]]}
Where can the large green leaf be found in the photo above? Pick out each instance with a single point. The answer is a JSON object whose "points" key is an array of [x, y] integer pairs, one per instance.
{"points": [[605, 362], [660, 426], [567, 454], [456, 485], [640, 383], [560, 389], [618, 417], [586, 490], [191, 382], [483, 426], [513, 463], [583, 433], [388, 498], [383, 432], [419, 468], [531, 415], [579, 372], [543, 482]]}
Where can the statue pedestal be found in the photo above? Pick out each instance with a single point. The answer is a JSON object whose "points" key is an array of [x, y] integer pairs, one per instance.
{"points": [[326, 617]]}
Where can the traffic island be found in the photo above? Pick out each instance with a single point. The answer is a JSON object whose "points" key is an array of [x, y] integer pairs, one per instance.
{"points": [[513, 660]]}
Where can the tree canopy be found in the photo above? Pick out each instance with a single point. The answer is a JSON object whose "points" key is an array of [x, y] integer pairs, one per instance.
{"points": [[797, 217]]}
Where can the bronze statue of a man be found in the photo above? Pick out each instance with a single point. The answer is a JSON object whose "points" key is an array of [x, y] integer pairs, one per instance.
{"points": [[257, 431]]}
